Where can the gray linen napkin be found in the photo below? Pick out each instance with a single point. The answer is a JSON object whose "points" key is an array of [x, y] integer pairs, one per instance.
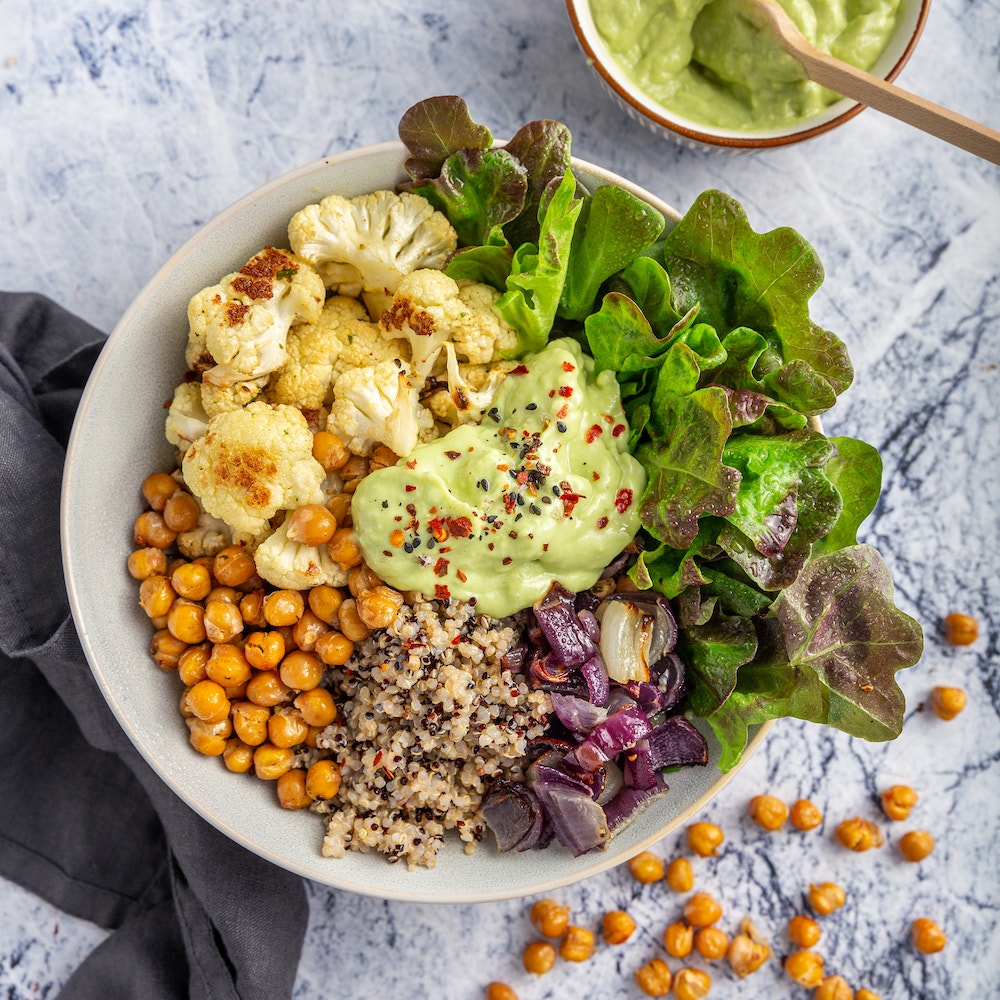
{"points": [[84, 821]]}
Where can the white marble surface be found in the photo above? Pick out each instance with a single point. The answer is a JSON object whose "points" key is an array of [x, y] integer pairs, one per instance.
{"points": [[125, 125]]}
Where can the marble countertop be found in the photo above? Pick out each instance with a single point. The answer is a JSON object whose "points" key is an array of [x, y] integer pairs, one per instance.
{"points": [[126, 125]]}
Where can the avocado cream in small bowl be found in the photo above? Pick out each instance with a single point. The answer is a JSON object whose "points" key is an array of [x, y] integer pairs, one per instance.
{"points": [[704, 71]]}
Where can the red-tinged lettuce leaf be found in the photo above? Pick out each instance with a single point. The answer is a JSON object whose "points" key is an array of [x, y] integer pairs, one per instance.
{"points": [[477, 190], [751, 363], [758, 280], [817, 507], [683, 462], [435, 128], [543, 149], [771, 470], [856, 471], [537, 272], [614, 227], [670, 571], [842, 642], [763, 414]]}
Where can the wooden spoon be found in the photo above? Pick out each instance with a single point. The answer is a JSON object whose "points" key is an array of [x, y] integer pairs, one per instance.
{"points": [[849, 81]]}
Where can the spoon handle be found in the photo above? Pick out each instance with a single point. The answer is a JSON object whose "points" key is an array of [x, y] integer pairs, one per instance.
{"points": [[886, 97]]}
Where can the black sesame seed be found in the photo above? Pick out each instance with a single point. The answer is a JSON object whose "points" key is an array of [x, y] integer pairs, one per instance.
{"points": [[532, 406], [561, 427]]}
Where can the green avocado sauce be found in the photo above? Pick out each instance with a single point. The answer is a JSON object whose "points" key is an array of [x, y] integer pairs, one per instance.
{"points": [[708, 61], [543, 490]]}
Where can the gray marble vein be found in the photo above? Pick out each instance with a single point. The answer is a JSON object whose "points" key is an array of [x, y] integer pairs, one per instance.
{"points": [[125, 126]]}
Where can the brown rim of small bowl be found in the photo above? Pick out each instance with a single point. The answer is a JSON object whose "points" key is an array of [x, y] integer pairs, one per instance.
{"points": [[730, 141]]}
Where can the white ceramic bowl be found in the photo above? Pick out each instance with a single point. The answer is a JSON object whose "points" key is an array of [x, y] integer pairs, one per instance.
{"points": [[118, 440], [667, 123]]}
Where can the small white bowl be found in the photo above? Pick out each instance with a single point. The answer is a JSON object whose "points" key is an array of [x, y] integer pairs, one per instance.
{"points": [[663, 121], [118, 440]]}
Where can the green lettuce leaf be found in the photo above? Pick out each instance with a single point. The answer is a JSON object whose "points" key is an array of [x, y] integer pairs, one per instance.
{"points": [[543, 149], [614, 227], [538, 272], [856, 472], [763, 281]]}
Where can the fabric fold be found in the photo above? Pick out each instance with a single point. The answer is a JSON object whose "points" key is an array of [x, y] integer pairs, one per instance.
{"points": [[86, 823]]}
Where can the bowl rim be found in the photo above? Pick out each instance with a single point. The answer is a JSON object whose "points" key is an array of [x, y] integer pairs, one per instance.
{"points": [[75, 574], [639, 107]]}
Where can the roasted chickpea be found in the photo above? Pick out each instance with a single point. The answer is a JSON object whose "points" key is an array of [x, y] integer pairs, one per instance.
{"points": [[283, 607], [746, 955], [500, 991], [947, 702], [617, 927], [858, 834], [334, 648], [702, 909], [316, 707], [805, 815], [927, 936], [711, 943], [916, 845], [250, 722], [146, 562], [803, 931], [237, 756], [866, 995], [704, 838], [691, 984], [233, 566], [577, 944], [549, 917], [768, 812], [833, 988], [539, 957], [680, 875], [158, 488], [898, 800], [646, 868], [181, 512], [825, 897], [678, 939], [264, 650], [805, 968], [960, 630], [323, 779], [291, 789], [654, 978], [270, 762], [167, 649]]}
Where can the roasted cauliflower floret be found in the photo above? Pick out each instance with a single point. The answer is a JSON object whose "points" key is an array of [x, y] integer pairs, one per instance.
{"points": [[341, 338], [253, 462], [238, 328], [217, 399], [285, 563], [470, 389], [370, 242], [379, 405], [430, 309], [186, 418]]}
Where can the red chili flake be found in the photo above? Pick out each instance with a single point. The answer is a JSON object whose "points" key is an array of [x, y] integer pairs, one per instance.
{"points": [[618, 430], [507, 560], [623, 500], [569, 498], [593, 433], [563, 410], [412, 464], [552, 393], [602, 522], [519, 370], [565, 391], [509, 502], [460, 527], [410, 487], [569, 366], [441, 567], [522, 477], [377, 759], [453, 454], [411, 510], [441, 592], [456, 640], [461, 576], [595, 476], [545, 546]]}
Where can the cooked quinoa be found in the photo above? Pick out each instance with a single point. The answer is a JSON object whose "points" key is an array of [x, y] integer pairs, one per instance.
{"points": [[427, 716]]}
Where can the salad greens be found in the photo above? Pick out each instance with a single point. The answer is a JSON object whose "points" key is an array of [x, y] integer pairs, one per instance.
{"points": [[750, 514]]}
